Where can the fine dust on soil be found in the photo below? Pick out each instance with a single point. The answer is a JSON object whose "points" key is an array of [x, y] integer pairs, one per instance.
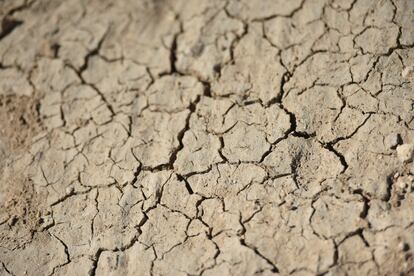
{"points": [[193, 137], [19, 213], [20, 122]]}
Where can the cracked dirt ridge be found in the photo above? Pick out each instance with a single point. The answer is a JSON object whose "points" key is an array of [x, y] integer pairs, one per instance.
{"points": [[176, 137]]}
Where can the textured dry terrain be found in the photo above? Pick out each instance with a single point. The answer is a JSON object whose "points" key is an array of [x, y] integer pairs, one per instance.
{"points": [[199, 137]]}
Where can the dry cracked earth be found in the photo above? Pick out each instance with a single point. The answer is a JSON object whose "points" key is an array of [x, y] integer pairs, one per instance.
{"points": [[195, 137]]}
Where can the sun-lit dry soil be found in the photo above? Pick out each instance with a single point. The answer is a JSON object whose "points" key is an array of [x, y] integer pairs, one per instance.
{"points": [[189, 137]]}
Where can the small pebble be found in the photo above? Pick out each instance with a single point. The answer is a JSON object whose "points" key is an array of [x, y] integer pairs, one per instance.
{"points": [[69, 190], [405, 152], [401, 184], [392, 140], [408, 72], [403, 246]]}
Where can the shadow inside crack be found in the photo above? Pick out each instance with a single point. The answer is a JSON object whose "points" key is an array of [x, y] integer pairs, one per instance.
{"points": [[8, 24]]}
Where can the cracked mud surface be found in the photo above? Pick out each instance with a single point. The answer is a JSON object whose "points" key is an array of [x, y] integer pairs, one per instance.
{"points": [[192, 137]]}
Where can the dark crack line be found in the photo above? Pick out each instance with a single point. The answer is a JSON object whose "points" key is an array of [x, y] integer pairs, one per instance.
{"points": [[173, 50], [68, 260], [256, 251], [181, 134], [7, 270], [8, 25], [340, 156]]}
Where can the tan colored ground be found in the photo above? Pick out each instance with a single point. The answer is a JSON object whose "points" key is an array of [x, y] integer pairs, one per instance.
{"points": [[206, 137]]}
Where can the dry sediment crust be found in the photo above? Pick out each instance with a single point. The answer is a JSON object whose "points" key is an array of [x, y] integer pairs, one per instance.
{"points": [[193, 137]]}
